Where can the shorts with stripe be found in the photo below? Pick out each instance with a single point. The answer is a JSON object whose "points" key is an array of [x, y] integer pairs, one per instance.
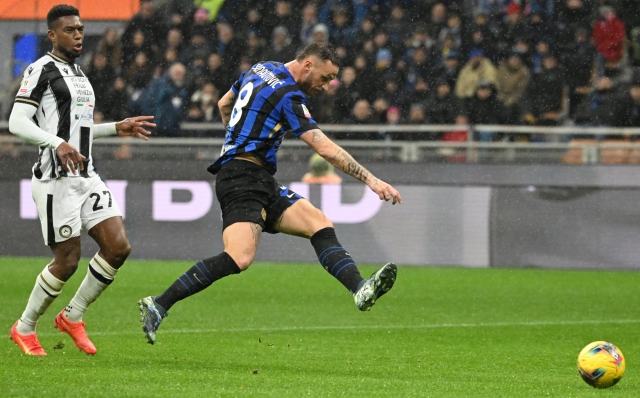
{"points": [[67, 205], [248, 193]]}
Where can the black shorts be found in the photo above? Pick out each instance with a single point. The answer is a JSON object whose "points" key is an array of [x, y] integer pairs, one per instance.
{"points": [[247, 192]]}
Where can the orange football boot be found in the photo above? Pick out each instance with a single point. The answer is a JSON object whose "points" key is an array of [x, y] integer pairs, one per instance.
{"points": [[28, 343], [77, 333]]}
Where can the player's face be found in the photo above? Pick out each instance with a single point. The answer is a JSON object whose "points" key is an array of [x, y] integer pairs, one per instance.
{"points": [[67, 36], [319, 75]]}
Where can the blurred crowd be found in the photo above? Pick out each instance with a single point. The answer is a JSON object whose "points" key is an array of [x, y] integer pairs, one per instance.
{"points": [[534, 62]]}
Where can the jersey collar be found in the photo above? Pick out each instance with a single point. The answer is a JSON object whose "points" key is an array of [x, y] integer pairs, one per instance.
{"points": [[58, 58]]}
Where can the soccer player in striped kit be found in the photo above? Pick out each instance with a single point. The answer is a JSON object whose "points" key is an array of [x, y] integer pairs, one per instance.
{"points": [[54, 110], [266, 102]]}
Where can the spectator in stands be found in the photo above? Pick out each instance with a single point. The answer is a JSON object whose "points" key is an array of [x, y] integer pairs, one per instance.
{"points": [[626, 110], [443, 107], [324, 106], [254, 48], [450, 68], [139, 43], [320, 33], [477, 69], [477, 41], [383, 67], [101, 76], [454, 29], [216, 74], [398, 27], [573, 15], [364, 33], [342, 35], [281, 49], [283, 16], [609, 35], [438, 20], [202, 26], [579, 56], [309, 20], [485, 108], [140, 72], [538, 30], [204, 104], [513, 30], [542, 49], [418, 67], [169, 97], [391, 91], [320, 172], [111, 48], [512, 81], [347, 94], [544, 99], [229, 47], [198, 48], [598, 108], [146, 21], [115, 102], [361, 113], [175, 41], [420, 93]]}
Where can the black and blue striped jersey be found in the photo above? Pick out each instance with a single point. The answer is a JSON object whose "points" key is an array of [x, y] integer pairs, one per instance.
{"points": [[268, 104]]}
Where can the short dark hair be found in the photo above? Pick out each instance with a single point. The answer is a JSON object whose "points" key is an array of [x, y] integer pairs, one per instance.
{"points": [[324, 51], [59, 11]]}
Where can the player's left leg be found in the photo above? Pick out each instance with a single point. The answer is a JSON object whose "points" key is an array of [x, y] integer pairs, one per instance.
{"points": [[305, 220]]}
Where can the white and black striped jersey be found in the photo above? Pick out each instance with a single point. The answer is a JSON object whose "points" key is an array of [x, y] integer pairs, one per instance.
{"points": [[65, 102]]}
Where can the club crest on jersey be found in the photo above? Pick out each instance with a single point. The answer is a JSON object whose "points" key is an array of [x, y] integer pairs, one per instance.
{"points": [[307, 114], [65, 231]]}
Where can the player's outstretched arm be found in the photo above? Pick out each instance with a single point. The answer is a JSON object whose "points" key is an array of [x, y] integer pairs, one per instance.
{"points": [[226, 106], [341, 159], [129, 127]]}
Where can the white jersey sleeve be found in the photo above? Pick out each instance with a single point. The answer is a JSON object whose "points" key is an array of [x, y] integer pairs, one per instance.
{"points": [[21, 124]]}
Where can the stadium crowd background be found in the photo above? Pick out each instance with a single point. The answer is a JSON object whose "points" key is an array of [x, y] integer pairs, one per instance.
{"points": [[541, 62]]}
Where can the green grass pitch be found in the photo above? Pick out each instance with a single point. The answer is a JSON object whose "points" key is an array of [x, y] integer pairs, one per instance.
{"points": [[292, 330]]}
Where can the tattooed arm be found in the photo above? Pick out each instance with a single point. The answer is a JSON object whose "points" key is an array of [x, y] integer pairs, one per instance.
{"points": [[341, 159]]}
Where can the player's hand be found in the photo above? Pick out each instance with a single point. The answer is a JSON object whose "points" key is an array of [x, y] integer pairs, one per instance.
{"points": [[134, 126], [385, 191], [70, 157]]}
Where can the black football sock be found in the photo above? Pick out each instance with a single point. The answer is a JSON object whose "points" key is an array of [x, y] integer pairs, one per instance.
{"points": [[335, 259], [197, 278]]}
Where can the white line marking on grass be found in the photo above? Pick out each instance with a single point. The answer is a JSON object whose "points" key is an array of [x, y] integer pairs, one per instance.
{"points": [[359, 327]]}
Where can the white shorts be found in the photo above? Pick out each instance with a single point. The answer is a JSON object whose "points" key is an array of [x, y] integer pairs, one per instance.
{"points": [[69, 204]]}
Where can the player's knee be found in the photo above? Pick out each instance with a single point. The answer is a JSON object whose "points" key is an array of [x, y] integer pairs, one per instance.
{"points": [[243, 261], [322, 221], [117, 252]]}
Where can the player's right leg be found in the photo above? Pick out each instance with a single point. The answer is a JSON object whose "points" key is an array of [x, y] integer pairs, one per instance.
{"points": [[59, 213], [243, 190], [240, 245], [48, 286]]}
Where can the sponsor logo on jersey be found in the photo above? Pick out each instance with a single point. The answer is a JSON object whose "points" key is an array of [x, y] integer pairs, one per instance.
{"points": [[66, 71], [30, 69], [23, 90], [88, 116], [264, 215], [307, 114]]}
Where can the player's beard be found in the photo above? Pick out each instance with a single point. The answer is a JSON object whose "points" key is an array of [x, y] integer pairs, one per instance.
{"points": [[70, 54]]}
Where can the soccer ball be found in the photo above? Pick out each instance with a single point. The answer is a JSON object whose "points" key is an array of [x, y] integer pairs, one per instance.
{"points": [[601, 364]]}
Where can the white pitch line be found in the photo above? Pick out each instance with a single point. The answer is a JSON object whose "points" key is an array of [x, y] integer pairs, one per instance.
{"points": [[375, 327]]}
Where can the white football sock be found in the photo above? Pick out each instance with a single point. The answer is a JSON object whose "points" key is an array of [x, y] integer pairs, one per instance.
{"points": [[99, 276], [47, 288]]}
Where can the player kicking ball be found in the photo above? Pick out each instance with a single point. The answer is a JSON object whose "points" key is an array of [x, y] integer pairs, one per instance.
{"points": [[54, 110], [263, 104]]}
